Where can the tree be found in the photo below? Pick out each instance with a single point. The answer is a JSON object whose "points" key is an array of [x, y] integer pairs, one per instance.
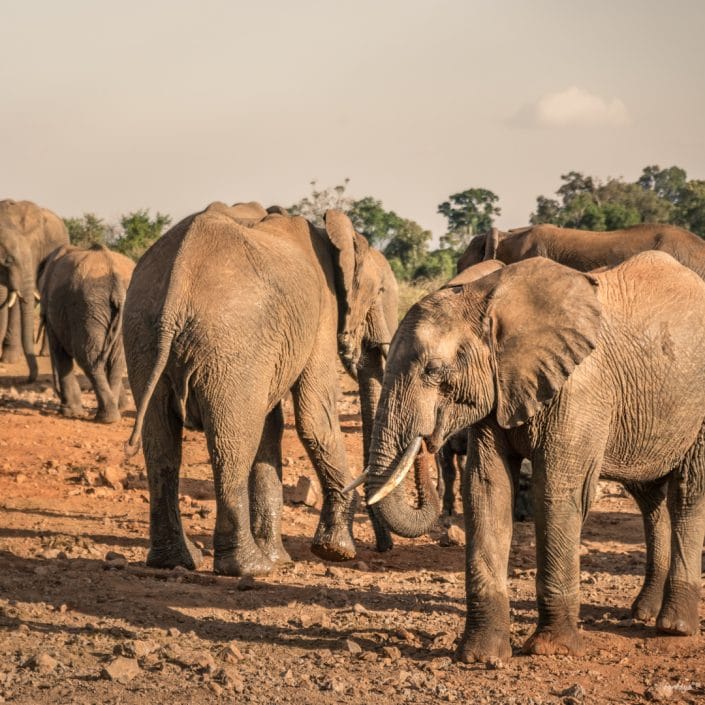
{"points": [[314, 207], [139, 231], [666, 183], [468, 213], [690, 211], [88, 230]]}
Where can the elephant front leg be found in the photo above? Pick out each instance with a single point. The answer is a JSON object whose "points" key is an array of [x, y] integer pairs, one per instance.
{"points": [[65, 382], [315, 395], [487, 503], [12, 343], [563, 491], [266, 500], [168, 545], [651, 498]]}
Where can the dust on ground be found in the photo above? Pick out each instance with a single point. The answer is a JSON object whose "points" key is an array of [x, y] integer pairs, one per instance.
{"points": [[82, 620]]}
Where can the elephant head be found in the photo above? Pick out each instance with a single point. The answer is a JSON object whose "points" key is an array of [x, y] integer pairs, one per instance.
{"points": [[28, 235], [501, 346]]}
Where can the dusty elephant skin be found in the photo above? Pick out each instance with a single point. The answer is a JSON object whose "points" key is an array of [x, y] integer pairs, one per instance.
{"points": [[82, 296], [28, 235], [221, 321], [586, 375]]}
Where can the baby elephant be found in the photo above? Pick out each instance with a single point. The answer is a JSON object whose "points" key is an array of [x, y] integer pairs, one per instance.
{"points": [[82, 296]]}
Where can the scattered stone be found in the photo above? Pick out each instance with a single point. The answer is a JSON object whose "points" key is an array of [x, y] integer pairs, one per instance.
{"points": [[173, 632], [114, 561], [248, 583], [335, 572], [20, 478], [405, 635], [88, 478], [305, 492], [359, 609], [139, 648], [659, 692], [452, 536], [113, 477], [231, 653], [361, 566], [289, 678], [574, 695], [42, 663], [352, 646], [392, 652], [121, 670], [229, 678]]}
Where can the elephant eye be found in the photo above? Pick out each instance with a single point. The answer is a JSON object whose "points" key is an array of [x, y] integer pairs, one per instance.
{"points": [[434, 369], [9, 261]]}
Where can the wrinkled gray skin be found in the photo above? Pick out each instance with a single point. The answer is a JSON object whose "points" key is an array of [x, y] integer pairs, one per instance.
{"points": [[28, 235], [82, 296], [364, 340], [221, 321], [586, 375]]}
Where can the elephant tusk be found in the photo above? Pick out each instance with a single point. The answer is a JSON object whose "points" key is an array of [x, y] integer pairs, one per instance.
{"points": [[400, 472], [384, 349], [12, 299], [357, 482], [37, 297]]}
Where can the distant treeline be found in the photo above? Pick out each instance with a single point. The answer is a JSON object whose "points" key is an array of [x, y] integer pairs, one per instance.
{"points": [[585, 202]]}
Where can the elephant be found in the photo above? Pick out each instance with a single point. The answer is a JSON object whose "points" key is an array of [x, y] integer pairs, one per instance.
{"points": [[585, 250], [587, 376], [28, 235], [221, 321], [364, 342], [82, 296]]}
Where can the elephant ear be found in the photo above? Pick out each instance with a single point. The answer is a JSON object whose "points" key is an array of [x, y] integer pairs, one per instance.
{"points": [[471, 274], [350, 247], [491, 244], [248, 214], [542, 321]]}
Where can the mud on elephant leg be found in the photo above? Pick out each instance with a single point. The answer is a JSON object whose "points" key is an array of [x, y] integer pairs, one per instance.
{"points": [[487, 504], [266, 500], [651, 498], [314, 398], [686, 506], [65, 381], [168, 545]]}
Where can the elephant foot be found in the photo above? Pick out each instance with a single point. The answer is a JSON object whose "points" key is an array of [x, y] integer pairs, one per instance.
{"points": [[107, 416], [183, 554], [679, 613], [384, 542], [275, 551], [335, 544], [383, 537], [647, 604], [72, 412], [242, 564], [10, 356], [551, 641], [491, 647]]}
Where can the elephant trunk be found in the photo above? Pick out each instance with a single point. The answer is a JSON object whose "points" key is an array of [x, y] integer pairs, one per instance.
{"points": [[27, 311]]}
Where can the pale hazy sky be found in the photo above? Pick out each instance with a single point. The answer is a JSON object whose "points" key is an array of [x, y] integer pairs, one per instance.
{"points": [[109, 107]]}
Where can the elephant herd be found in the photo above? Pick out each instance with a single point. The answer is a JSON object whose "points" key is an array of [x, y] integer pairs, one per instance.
{"points": [[581, 352]]}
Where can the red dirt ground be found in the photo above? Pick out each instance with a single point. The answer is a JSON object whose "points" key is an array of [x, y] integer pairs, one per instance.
{"points": [[379, 629]]}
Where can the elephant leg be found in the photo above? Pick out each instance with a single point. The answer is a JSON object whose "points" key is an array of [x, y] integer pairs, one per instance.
{"points": [[564, 484], [168, 545], [65, 381], [487, 503], [12, 345], [686, 507], [266, 500], [233, 451], [315, 396], [651, 499], [446, 462], [107, 403], [116, 372]]}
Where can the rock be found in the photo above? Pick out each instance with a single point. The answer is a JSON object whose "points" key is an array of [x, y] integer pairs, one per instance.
{"points": [[392, 652], [305, 492], [248, 583], [139, 648], [88, 478], [114, 561], [574, 695], [113, 477], [335, 572], [352, 646], [42, 663], [229, 678], [231, 653], [361, 566], [200, 661], [405, 635], [289, 678], [452, 536], [20, 478], [173, 632], [121, 670], [659, 692]]}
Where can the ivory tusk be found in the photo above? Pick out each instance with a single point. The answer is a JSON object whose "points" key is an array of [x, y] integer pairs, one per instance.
{"points": [[37, 297], [400, 472], [357, 482], [12, 299], [384, 349]]}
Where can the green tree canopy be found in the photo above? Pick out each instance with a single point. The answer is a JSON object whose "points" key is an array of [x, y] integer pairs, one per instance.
{"points": [[468, 213], [139, 231], [88, 230]]}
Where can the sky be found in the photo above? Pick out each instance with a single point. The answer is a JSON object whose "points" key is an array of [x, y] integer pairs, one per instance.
{"points": [[165, 104]]}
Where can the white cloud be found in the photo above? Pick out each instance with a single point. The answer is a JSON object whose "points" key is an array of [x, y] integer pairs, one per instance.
{"points": [[573, 107]]}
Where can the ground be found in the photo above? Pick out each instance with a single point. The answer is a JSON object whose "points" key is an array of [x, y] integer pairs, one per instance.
{"points": [[81, 625]]}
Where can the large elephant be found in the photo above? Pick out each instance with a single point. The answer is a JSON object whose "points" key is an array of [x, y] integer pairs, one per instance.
{"points": [[586, 375], [221, 321], [82, 297], [364, 340], [28, 235], [585, 250]]}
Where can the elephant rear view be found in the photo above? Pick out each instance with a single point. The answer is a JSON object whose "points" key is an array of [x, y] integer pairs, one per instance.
{"points": [[221, 321], [83, 294], [28, 235]]}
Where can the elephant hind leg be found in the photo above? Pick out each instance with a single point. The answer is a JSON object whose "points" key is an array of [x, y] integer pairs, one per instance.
{"points": [[233, 426], [651, 499], [266, 500], [168, 545], [108, 411], [686, 507], [65, 381]]}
